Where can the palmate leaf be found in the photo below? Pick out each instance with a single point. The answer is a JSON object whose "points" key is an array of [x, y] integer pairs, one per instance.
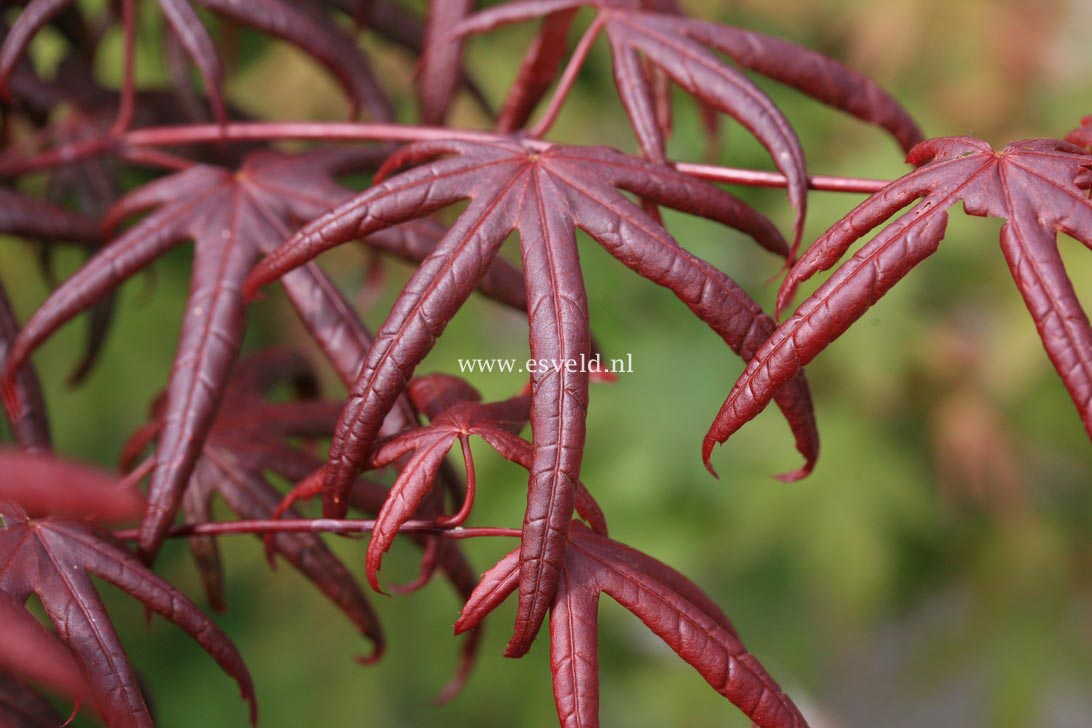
{"points": [[439, 73], [30, 218], [666, 601], [55, 559], [1030, 184], [250, 437], [232, 217], [685, 50], [455, 412], [545, 193], [296, 23], [25, 411]]}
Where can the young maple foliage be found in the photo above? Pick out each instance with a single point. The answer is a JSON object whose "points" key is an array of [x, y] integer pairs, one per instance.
{"points": [[1030, 184], [26, 415], [219, 431], [253, 436], [455, 412], [35, 219], [300, 24], [546, 193], [667, 602], [55, 559], [232, 217], [685, 50]]}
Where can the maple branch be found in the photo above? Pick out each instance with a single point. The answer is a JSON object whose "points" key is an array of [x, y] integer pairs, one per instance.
{"points": [[163, 136], [320, 525], [166, 136], [758, 178]]}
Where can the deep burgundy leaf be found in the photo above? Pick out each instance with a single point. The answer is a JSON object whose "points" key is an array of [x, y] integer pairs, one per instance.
{"points": [[55, 559], [545, 193], [47, 485], [232, 218], [31, 218], [30, 653], [439, 74], [683, 49], [538, 70], [668, 603], [250, 437], [456, 412], [25, 410], [1030, 184], [295, 23]]}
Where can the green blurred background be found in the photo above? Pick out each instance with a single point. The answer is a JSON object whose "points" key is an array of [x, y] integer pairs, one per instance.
{"points": [[936, 568]]}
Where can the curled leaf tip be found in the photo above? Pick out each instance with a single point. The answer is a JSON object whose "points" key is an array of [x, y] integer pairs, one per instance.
{"points": [[378, 650], [707, 452]]}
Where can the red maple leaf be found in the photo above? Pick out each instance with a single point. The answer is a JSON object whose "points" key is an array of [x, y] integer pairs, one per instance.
{"points": [[55, 559], [1030, 184], [685, 51], [546, 193], [666, 601]]}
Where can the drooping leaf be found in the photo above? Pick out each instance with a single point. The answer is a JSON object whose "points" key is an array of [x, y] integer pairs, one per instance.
{"points": [[232, 217], [296, 23], [55, 559], [685, 50], [25, 411], [546, 192], [668, 603], [30, 653], [537, 72], [250, 437], [456, 412], [1029, 184], [38, 220], [47, 485], [439, 74]]}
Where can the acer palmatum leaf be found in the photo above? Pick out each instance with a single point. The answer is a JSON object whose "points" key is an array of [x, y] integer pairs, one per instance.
{"points": [[250, 437], [438, 78], [1030, 184], [25, 410], [31, 653], [22, 707], [538, 70], [545, 193], [55, 559], [296, 23], [455, 412], [667, 602], [232, 218], [48, 485], [439, 554], [30, 218], [685, 50]]}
